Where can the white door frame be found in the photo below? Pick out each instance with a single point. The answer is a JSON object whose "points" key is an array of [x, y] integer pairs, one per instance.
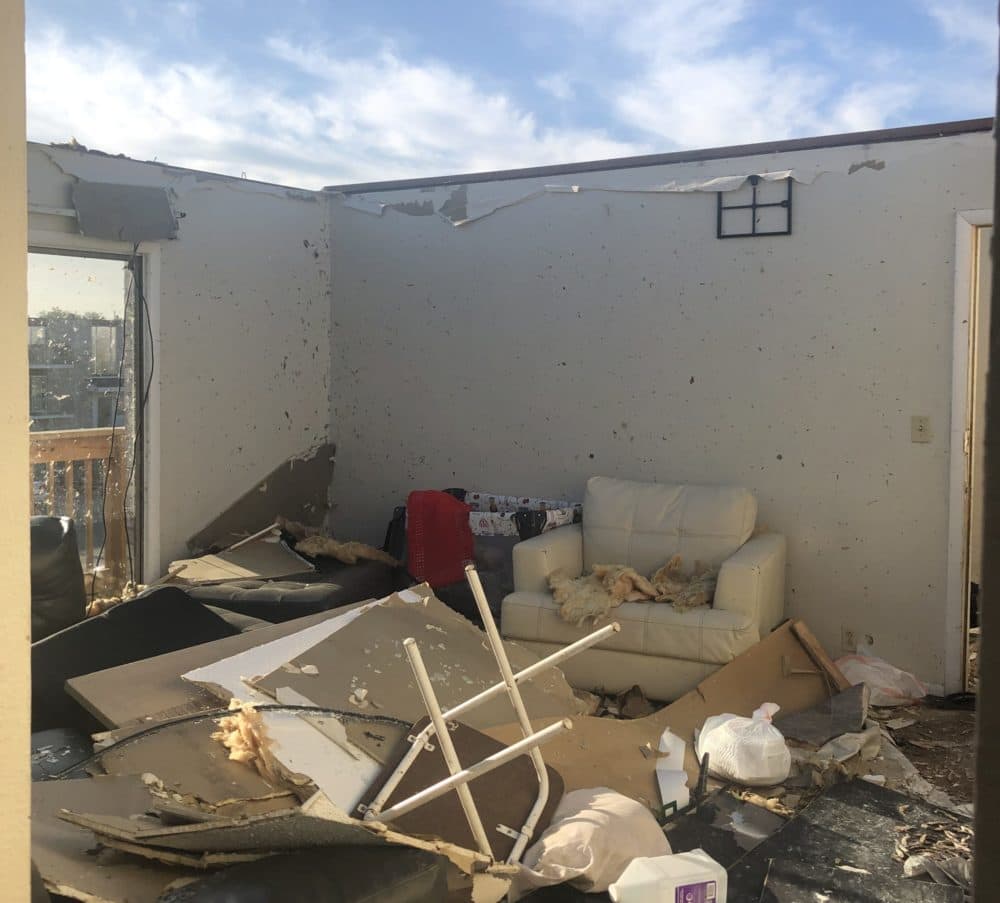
{"points": [[150, 252], [967, 224]]}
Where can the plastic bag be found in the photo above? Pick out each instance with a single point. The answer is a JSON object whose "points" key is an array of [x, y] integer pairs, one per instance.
{"points": [[593, 837], [888, 685], [746, 750]]}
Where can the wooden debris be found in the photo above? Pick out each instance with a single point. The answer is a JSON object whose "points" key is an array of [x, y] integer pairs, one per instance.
{"points": [[942, 840]]}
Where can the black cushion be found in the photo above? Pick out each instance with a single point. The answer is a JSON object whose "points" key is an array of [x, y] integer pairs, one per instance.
{"points": [[284, 600], [58, 596]]}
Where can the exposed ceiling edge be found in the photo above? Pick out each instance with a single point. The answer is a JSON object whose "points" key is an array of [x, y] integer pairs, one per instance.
{"points": [[879, 136]]}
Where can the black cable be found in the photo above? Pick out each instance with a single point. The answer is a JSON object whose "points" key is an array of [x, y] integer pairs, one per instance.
{"points": [[141, 411], [221, 713]]}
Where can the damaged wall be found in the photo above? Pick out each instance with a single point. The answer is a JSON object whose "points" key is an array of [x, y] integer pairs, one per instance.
{"points": [[242, 357], [611, 332]]}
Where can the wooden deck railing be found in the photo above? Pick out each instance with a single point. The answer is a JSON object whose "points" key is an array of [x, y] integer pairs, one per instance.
{"points": [[56, 458]]}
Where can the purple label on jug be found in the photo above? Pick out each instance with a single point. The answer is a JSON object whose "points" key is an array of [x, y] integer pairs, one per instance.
{"points": [[702, 892]]}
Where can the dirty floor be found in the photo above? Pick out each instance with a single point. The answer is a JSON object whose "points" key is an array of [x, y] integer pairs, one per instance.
{"points": [[941, 745]]}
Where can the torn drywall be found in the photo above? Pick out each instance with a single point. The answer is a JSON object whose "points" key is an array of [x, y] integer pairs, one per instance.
{"points": [[297, 488], [461, 207]]}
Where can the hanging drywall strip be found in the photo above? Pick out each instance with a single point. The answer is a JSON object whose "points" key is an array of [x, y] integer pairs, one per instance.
{"points": [[130, 213]]}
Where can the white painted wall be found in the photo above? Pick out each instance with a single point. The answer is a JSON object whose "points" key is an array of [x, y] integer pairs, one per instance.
{"points": [[241, 307], [612, 333]]}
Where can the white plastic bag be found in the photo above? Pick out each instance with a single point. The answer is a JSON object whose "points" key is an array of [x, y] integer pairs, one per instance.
{"points": [[746, 750], [888, 685], [593, 836]]}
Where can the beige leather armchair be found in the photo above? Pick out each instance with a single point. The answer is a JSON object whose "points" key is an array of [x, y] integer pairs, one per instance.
{"points": [[643, 525]]}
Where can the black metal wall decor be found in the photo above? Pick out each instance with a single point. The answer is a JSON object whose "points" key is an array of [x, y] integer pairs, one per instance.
{"points": [[725, 215]]}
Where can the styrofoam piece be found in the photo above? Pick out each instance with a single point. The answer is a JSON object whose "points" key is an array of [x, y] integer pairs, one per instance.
{"points": [[670, 773], [343, 772]]}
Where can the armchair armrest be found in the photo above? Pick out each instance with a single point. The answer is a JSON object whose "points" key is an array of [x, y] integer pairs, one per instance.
{"points": [[752, 581], [536, 558]]}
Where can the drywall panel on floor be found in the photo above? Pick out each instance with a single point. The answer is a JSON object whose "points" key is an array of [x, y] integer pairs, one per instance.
{"points": [[611, 332]]}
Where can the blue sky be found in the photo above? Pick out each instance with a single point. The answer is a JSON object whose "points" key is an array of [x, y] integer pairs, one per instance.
{"points": [[319, 92]]}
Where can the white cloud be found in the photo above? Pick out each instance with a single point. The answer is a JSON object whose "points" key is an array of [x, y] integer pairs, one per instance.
{"points": [[967, 21], [675, 73], [359, 118], [692, 75], [558, 84]]}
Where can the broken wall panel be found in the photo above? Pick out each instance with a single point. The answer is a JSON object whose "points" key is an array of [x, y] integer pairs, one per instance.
{"points": [[367, 655], [64, 853], [130, 694]]}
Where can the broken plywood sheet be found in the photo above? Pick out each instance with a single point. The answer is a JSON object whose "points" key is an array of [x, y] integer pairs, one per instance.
{"points": [[603, 752], [263, 557], [503, 797], [64, 853], [296, 488], [153, 689], [191, 764], [363, 665], [317, 823], [274, 832], [195, 861]]}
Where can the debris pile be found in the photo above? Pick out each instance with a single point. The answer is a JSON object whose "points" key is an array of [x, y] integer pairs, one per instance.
{"points": [[396, 723]]}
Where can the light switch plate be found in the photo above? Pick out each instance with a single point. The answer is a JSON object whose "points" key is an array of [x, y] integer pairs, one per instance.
{"points": [[920, 429]]}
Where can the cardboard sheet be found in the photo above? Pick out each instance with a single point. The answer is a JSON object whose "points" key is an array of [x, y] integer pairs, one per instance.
{"points": [[601, 752], [366, 657], [64, 854]]}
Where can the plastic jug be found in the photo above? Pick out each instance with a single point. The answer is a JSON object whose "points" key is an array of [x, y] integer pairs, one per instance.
{"points": [[693, 877]]}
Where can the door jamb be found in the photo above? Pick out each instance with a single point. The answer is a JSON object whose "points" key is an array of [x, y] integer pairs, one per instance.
{"points": [[967, 224]]}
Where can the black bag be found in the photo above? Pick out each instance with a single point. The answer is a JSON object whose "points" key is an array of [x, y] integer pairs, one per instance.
{"points": [[58, 595]]}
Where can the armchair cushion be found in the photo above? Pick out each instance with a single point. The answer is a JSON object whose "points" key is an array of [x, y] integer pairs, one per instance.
{"points": [[752, 581], [536, 558], [647, 628], [645, 524]]}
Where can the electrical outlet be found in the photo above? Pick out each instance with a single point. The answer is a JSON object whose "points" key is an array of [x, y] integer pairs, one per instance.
{"points": [[848, 640], [920, 429]]}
